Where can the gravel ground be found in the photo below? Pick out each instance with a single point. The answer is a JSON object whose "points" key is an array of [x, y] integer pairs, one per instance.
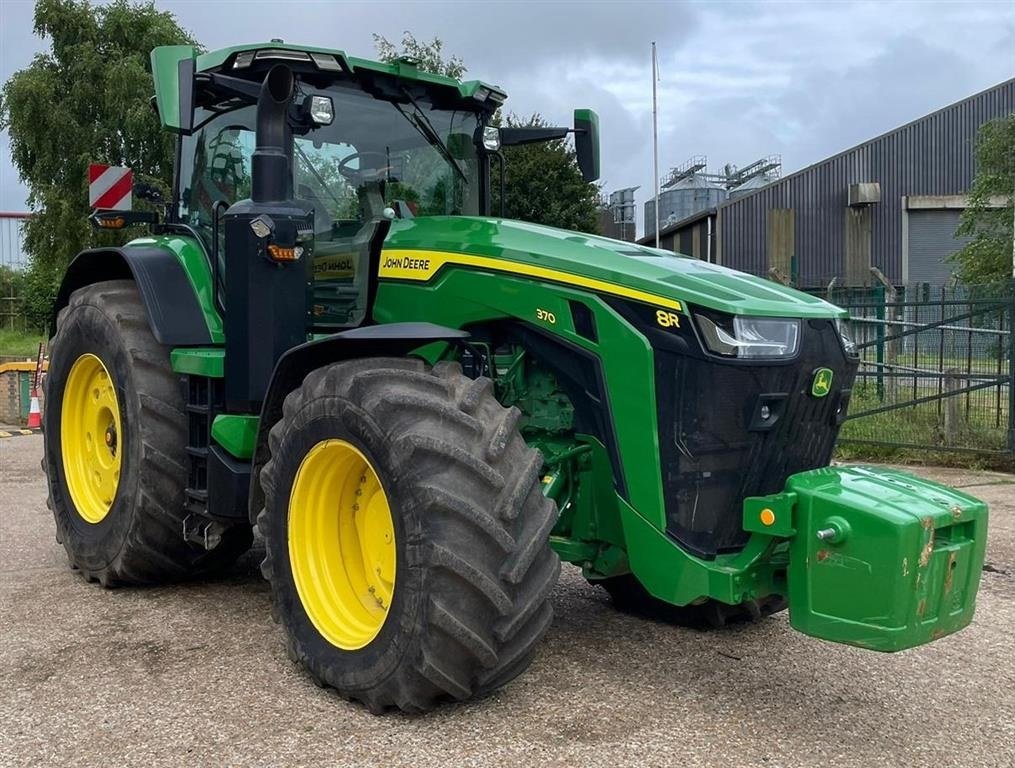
{"points": [[197, 675]]}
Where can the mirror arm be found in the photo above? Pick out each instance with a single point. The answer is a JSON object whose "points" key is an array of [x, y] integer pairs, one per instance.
{"points": [[513, 136]]}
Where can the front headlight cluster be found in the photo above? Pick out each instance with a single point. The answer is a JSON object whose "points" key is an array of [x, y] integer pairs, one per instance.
{"points": [[847, 338], [756, 338]]}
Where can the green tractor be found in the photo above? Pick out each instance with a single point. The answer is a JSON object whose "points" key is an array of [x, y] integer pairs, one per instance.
{"points": [[423, 408]]}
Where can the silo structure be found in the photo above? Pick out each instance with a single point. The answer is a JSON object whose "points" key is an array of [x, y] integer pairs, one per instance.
{"points": [[752, 184], [682, 198]]}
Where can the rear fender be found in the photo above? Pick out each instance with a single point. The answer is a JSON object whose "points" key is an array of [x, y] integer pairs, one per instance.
{"points": [[170, 301]]}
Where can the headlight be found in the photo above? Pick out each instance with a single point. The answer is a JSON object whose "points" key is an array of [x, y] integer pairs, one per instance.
{"points": [[756, 338], [842, 326]]}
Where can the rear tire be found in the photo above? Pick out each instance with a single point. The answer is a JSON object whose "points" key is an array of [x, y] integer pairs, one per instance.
{"points": [[472, 568], [137, 537], [631, 597]]}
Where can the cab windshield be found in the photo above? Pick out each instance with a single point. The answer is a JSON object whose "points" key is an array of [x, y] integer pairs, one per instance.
{"points": [[407, 156]]}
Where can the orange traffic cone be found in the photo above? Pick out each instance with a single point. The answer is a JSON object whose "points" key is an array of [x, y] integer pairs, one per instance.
{"points": [[34, 414]]}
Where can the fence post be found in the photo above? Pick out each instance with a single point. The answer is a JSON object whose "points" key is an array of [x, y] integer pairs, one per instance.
{"points": [[879, 358], [953, 418], [891, 347]]}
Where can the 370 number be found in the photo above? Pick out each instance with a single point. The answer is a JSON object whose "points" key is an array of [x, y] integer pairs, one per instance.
{"points": [[545, 316]]}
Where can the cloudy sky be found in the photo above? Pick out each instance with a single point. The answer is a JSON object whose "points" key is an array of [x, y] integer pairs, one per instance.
{"points": [[739, 80]]}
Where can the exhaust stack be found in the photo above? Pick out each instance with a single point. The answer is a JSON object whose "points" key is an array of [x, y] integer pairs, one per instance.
{"points": [[271, 168], [268, 250]]}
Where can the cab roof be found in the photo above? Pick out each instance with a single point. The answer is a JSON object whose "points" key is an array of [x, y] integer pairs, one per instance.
{"points": [[166, 71]]}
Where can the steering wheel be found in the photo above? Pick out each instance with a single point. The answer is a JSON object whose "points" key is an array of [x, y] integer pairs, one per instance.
{"points": [[356, 176]]}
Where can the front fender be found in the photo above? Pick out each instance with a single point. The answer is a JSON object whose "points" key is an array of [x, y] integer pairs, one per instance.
{"points": [[390, 340]]}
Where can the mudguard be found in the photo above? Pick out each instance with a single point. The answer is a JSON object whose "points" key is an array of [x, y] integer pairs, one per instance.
{"points": [[173, 310], [391, 340]]}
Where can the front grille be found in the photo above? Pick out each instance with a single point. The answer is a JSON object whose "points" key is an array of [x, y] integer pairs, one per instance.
{"points": [[714, 451]]}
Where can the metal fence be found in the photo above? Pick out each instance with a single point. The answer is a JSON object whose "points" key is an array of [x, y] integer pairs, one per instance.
{"points": [[937, 368]]}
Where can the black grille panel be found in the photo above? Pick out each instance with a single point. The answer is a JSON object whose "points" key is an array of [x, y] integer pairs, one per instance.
{"points": [[715, 451]]}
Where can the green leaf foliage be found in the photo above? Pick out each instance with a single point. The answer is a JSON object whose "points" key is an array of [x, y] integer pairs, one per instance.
{"points": [[544, 185], [429, 57], [85, 100], [988, 258]]}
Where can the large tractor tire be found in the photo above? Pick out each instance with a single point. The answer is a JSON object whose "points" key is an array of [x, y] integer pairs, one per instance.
{"points": [[406, 534], [115, 432], [631, 597]]}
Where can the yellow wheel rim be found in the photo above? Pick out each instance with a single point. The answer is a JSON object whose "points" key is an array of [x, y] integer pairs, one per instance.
{"points": [[341, 544], [91, 440]]}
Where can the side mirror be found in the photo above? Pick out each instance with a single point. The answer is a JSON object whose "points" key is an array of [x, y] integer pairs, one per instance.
{"points": [[586, 142], [173, 73]]}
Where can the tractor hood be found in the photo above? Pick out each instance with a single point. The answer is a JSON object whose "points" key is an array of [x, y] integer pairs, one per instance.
{"points": [[648, 270]]}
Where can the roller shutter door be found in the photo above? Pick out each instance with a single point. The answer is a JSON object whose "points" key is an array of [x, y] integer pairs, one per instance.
{"points": [[932, 241]]}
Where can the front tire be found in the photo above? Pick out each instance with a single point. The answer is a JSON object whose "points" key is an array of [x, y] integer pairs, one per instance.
{"points": [[115, 433], [406, 534]]}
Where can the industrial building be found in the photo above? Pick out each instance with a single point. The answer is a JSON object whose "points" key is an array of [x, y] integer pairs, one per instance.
{"points": [[616, 215], [892, 202]]}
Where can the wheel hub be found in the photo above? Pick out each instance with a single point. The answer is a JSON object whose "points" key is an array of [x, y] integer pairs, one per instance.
{"points": [[342, 544], [89, 430]]}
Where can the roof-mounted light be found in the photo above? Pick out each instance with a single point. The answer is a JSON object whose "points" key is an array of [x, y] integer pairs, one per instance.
{"points": [[323, 61], [243, 59], [326, 62], [281, 54], [485, 93]]}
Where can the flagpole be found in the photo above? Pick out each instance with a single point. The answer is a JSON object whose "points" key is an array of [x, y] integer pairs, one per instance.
{"points": [[655, 143]]}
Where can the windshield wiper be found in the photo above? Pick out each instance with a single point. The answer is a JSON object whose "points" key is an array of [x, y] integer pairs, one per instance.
{"points": [[421, 123]]}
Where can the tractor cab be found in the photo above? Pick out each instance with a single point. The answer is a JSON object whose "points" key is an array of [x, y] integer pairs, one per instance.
{"points": [[363, 151]]}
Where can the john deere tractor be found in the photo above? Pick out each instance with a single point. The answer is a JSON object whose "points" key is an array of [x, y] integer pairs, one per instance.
{"points": [[423, 408]]}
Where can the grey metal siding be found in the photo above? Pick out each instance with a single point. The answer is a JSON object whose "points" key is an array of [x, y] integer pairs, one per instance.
{"points": [[931, 156], [931, 241]]}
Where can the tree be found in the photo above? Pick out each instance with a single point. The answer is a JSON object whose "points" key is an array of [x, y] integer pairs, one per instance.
{"points": [[544, 185], [428, 56], [85, 100], [988, 258], [542, 181]]}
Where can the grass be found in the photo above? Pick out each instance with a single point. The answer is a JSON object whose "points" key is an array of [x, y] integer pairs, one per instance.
{"points": [[982, 428], [19, 344]]}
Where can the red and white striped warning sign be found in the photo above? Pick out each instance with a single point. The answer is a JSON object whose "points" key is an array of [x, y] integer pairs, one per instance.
{"points": [[109, 187]]}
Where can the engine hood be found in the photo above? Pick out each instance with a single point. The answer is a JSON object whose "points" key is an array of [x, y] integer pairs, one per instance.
{"points": [[650, 270]]}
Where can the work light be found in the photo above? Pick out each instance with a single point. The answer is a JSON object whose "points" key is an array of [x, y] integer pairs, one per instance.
{"points": [[491, 138], [322, 111]]}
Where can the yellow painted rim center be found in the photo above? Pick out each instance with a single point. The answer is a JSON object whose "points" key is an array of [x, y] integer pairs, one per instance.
{"points": [[342, 544], [91, 438]]}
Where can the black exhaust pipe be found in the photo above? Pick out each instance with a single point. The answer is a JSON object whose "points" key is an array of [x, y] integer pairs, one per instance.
{"points": [[271, 168], [265, 300]]}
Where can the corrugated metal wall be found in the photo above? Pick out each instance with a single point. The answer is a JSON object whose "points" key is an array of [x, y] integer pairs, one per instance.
{"points": [[931, 156]]}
